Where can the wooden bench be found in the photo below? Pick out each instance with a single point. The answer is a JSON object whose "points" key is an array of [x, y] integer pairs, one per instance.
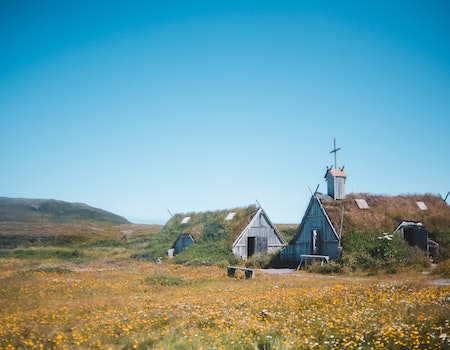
{"points": [[232, 271], [305, 258]]}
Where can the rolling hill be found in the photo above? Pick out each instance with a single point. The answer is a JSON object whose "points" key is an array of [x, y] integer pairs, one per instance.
{"points": [[50, 210]]}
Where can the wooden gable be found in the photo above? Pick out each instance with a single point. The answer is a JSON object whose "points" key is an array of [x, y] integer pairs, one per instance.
{"points": [[259, 236], [316, 234]]}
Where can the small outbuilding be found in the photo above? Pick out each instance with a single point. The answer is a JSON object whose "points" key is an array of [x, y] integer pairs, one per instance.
{"points": [[246, 230], [183, 241], [414, 233], [259, 236]]}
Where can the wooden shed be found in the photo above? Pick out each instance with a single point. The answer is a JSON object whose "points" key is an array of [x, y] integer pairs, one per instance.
{"points": [[414, 233], [259, 236], [246, 230]]}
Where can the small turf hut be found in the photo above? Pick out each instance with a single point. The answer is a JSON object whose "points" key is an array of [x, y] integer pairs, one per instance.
{"points": [[246, 231], [183, 241]]}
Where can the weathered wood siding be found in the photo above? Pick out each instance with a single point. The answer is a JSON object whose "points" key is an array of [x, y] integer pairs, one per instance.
{"points": [[336, 186], [258, 237], [315, 236]]}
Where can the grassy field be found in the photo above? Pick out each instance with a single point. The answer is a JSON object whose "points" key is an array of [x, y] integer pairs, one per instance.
{"points": [[37, 242], [92, 285], [126, 304]]}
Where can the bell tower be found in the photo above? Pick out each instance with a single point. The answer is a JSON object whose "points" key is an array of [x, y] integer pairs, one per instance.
{"points": [[335, 178]]}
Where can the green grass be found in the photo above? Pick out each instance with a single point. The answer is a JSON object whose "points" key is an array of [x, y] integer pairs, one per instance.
{"points": [[163, 280], [78, 242], [206, 253], [44, 254]]}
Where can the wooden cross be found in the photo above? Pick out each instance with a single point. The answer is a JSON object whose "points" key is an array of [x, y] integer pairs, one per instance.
{"points": [[335, 151]]}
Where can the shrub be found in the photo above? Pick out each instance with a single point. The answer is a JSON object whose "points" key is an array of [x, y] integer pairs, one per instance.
{"points": [[331, 267], [442, 237], [377, 252], [260, 260], [443, 269]]}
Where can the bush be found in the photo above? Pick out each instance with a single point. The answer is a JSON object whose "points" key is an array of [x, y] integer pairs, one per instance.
{"points": [[443, 269], [376, 252], [331, 267], [260, 260], [442, 237]]}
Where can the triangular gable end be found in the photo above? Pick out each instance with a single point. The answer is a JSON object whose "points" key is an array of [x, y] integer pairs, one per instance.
{"points": [[278, 234], [305, 216], [257, 238], [258, 213], [250, 224], [316, 234], [183, 241]]}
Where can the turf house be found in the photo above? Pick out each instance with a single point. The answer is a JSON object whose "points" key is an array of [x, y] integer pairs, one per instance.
{"points": [[245, 231]]}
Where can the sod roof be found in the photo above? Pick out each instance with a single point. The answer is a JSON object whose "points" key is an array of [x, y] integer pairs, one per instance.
{"points": [[198, 222], [387, 212]]}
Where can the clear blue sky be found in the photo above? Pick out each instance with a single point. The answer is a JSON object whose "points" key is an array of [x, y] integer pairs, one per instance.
{"points": [[137, 107]]}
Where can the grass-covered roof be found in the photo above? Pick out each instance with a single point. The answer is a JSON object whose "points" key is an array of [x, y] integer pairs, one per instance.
{"points": [[387, 212], [201, 225]]}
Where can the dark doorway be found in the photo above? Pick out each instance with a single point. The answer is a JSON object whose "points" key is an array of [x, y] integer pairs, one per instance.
{"points": [[256, 245], [251, 245], [416, 236]]}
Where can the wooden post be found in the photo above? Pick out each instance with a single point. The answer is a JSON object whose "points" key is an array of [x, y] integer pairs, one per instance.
{"points": [[231, 271]]}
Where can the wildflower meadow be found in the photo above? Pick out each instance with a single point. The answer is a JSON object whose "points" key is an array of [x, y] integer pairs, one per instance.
{"points": [[144, 305]]}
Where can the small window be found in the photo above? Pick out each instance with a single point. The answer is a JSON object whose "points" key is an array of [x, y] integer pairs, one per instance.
{"points": [[362, 204], [230, 216], [185, 219], [422, 205]]}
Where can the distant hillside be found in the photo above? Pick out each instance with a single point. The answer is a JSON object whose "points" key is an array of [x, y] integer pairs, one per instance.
{"points": [[49, 210]]}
